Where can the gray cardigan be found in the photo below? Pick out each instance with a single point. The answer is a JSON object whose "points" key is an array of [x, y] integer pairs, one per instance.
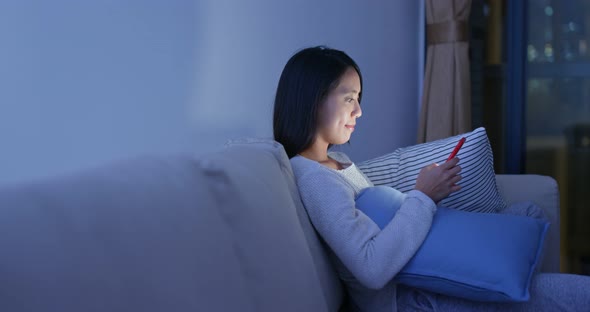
{"points": [[366, 257]]}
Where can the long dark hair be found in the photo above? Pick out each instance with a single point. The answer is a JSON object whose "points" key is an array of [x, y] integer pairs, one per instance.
{"points": [[306, 81]]}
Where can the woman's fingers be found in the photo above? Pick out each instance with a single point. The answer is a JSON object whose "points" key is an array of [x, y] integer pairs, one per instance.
{"points": [[455, 170], [438, 181], [454, 180], [450, 163], [451, 173]]}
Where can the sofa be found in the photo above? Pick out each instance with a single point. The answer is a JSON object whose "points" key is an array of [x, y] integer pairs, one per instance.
{"points": [[224, 231]]}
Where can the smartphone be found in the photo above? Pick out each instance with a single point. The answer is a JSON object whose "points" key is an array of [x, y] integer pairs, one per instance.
{"points": [[457, 148]]}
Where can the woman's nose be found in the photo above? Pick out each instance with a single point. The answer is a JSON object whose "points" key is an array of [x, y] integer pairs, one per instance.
{"points": [[358, 112]]}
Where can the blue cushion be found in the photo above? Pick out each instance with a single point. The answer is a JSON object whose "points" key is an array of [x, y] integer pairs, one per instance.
{"points": [[477, 256]]}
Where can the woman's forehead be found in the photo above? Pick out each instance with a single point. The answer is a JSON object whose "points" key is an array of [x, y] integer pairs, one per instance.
{"points": [[350, 82]]}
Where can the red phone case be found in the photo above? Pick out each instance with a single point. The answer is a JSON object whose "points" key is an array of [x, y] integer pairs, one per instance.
{"points": [[457, 148]]}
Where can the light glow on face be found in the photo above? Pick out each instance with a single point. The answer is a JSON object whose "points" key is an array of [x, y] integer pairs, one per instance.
{"points": [[338, 114]]}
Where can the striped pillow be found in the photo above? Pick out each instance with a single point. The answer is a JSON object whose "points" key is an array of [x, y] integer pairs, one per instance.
{"points": [[478, 193]]}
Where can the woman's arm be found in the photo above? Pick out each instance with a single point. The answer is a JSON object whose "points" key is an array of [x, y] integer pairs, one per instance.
{"points": [[373, 256]]}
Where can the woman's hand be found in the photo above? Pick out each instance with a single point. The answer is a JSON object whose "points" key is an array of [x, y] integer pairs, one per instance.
{"points": [[438, 181]]}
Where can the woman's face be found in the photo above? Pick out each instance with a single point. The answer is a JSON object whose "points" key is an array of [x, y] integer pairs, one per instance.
{"points": [[338, 114]]}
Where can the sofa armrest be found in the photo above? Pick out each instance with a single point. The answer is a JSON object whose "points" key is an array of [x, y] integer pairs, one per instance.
{"points": [[543, 191]]}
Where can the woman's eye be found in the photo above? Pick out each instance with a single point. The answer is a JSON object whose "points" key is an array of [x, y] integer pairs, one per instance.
{"points": [[349, 100]]}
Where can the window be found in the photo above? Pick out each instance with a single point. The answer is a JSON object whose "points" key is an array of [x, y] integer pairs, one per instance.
{"points": [[540, 122]]}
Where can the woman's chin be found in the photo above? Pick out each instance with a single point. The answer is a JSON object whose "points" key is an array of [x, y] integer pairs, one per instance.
{"points": [[345, 140]]}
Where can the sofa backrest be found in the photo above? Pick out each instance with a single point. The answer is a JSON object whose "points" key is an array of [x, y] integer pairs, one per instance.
{"points": [[138, 235], [331, 286], [220, 232], [258, 209]]}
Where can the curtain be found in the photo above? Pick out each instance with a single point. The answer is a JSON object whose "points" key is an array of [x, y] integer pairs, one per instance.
{"points": [[446, 97]]}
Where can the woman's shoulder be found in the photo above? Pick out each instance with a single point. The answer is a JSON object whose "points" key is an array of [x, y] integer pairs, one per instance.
{"points": [[311, 171], [301, 164], [318, 185]]}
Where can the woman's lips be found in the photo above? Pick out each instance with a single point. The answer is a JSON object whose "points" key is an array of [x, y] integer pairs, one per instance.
{"points": [[350, 127]]}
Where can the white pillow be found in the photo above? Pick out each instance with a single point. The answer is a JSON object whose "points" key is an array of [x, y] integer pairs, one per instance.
{"points": [[479, 192]]}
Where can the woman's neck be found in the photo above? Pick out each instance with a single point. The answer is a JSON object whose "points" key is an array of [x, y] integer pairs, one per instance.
{"points": [[321, 156], [317, 153]]}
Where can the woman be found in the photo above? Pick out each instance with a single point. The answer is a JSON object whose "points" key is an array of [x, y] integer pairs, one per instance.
{"points": [[317, 105]]}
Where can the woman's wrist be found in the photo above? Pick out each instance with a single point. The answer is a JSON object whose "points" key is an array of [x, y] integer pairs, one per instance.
{"points": [[424, 198]]}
